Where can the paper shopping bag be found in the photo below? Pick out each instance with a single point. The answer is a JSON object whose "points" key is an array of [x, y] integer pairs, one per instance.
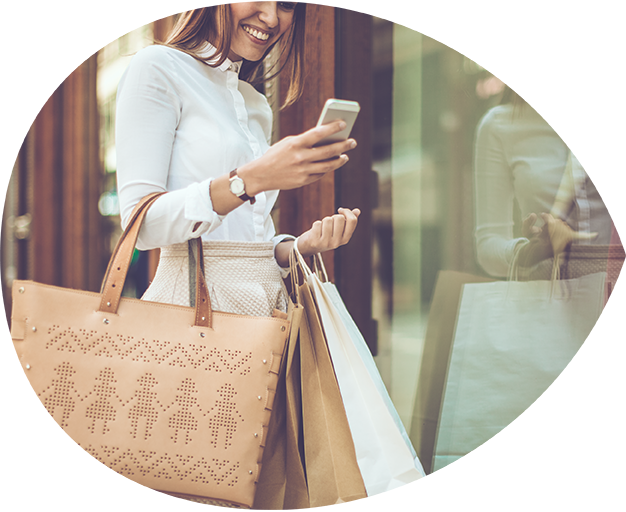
{"points": [[282, 483], [512, 339], [332, 472], [384, 453], [435, 356]]}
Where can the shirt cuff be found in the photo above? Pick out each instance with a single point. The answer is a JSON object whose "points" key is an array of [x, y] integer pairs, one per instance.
{"points": [[511, 247], [284, 272], [199, 207]]}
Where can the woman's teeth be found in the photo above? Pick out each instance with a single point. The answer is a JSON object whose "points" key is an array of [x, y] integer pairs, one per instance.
{"points": [[255, 33]]}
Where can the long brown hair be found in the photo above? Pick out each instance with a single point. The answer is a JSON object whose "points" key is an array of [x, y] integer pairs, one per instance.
{"points": [[194, 28]]}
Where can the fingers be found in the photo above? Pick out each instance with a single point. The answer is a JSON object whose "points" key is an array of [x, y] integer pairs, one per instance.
{"points": [[321, 153], [316, 170], [530, 219], [338, 229], [548, 218], [329, 233], [528, 226], [351, 221], [562, 235], [332, 231], [315, 135]]}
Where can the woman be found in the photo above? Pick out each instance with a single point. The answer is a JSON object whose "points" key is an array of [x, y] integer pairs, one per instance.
{"points": [[189, 122], [521, 160]]}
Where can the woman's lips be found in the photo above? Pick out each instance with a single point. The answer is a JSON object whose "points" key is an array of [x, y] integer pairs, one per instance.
{"points": [[258, 36]]}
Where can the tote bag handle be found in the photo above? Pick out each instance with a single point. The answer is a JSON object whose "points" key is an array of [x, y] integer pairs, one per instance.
{"points": [[115, 276]]}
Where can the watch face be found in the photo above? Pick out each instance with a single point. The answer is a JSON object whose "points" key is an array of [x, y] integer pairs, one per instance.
{"points": [[236, 186]]}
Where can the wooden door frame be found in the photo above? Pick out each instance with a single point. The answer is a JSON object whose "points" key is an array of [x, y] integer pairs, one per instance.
{"points": [[338, 60], [58, 180]]}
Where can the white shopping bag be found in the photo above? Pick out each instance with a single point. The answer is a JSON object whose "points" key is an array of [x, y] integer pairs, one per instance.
{"points": [[385, 455], [512, 339], [528, 415]]}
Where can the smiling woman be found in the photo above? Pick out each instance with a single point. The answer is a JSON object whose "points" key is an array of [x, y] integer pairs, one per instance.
{"points": [[256, 25], [191, 126], [247, 30]]}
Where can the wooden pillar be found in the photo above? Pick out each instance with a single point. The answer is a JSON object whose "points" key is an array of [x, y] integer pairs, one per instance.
{"points": [[356, 184], [300, 208], [81, 179]]}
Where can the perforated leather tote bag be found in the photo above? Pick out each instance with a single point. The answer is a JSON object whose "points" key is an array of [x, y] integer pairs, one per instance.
{"points": [[175, 398]]}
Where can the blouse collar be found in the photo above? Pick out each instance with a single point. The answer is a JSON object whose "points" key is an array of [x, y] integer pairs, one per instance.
{"points": [[208, 53]]}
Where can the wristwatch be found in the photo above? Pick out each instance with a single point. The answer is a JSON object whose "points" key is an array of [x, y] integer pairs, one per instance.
{"points": [[238, 187]]}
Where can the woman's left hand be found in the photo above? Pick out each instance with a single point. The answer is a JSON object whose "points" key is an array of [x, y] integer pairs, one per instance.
{"points": [[329, 233]]}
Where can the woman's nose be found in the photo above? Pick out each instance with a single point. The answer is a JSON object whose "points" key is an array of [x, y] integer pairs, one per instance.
{"points": [[268, 13]]}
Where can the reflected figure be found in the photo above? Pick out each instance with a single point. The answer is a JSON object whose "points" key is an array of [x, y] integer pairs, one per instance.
{"points": [[561, 256], [520, 162]]}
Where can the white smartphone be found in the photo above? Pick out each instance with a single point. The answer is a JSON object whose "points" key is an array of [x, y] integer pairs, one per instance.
{"points": [[333, 110]]}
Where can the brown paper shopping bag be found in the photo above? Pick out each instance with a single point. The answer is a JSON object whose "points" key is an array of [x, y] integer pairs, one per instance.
{"points": [[296, 492], [282, 484], [332, 472]]}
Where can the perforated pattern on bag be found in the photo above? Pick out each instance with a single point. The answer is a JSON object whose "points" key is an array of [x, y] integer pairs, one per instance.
{"points": [[102, 410], [195, 469], [184, 419], [227, 417], [59, 395], [224, 418], [165, 410], [144, 408], [178, 354]]}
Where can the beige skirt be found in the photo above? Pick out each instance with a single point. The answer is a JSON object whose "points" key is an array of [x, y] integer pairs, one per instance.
{"points": [[242, 278]]}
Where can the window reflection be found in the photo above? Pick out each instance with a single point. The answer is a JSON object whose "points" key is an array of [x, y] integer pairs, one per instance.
{"points": [[507, 369]]}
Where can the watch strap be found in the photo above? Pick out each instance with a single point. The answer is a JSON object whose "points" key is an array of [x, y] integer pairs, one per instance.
{"points": [[244, 197]]}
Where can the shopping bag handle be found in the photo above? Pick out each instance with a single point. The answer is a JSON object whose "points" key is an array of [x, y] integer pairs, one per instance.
{"points": [[318, 264], [319, 268], [294, 268], [115, 276]]}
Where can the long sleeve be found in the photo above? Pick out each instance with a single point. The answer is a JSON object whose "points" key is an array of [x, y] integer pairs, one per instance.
{"points": [[149, 110], [494, 193]]}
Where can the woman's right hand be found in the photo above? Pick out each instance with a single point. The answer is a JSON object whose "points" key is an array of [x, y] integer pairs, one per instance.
{"points": [[294, 161], [552, 239]]}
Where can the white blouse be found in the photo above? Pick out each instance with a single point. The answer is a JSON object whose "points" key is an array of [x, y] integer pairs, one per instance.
{"points": [[179, 124], [519, 157]]}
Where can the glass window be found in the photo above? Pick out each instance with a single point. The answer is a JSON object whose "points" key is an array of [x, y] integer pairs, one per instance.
{"points": [[461, 161]]}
